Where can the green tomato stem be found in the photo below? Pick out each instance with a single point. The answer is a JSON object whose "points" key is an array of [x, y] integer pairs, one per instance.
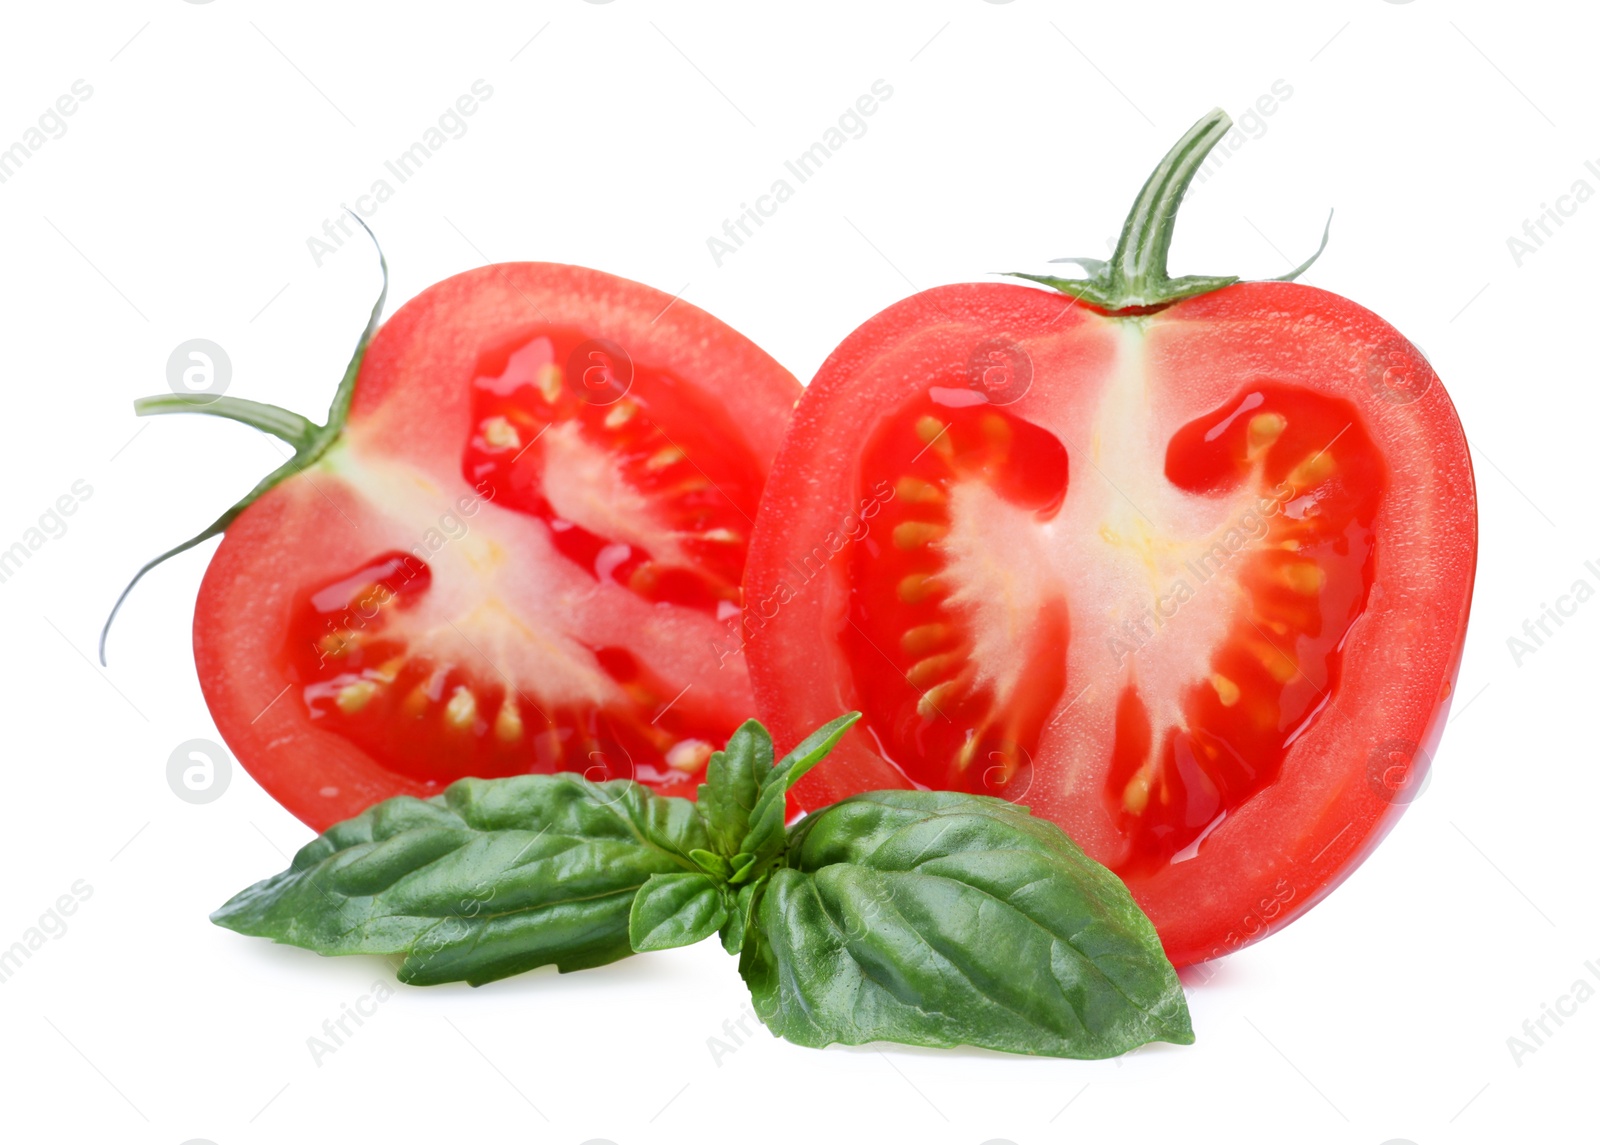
{"points": [[1135, 278], [280, 423], [310, 440], [1139, 264]]}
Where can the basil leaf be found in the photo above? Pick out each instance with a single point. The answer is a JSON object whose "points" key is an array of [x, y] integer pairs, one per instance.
{"points": [[738, 924], [941, 919], [675, 910], [765, 836], [741, 867], [733, 780], [490, 878], [712, 864]]}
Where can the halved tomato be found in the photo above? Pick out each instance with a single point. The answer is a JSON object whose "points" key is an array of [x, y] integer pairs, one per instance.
{"points": [[520, 552], [1184, 565]]}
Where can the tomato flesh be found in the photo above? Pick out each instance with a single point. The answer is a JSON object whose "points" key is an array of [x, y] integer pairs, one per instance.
{"points": [[1255, 581], [435, 721], [561, 395], [678, 533], [930, 710], [523, 555], [1304, 565], [1305, 579]]}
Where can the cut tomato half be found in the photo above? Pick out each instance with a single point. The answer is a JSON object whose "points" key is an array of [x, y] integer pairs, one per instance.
{"points": [[521, 553], [1189, 577]]}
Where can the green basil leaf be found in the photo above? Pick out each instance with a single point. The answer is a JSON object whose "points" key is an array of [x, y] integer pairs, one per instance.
{"points": [[490, 878], [765, 836], [675, 910], [712, 864], [733, 780], [941, 919], [738, 923], [741, 867]]}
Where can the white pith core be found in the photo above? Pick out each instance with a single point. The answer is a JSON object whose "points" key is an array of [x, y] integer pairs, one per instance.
{"points": [[1122, 543], [1000, 578], [585, 485], [502, 602]]}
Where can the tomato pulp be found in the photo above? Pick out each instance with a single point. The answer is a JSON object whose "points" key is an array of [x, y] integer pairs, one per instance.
{"points": [[1190, 579], [521, 554]]}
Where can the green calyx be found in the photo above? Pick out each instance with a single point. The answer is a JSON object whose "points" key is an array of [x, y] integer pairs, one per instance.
{"points": [[1135, 277], [309, 440]]}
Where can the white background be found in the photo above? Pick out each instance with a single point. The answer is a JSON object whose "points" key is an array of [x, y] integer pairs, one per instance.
{"points": [[220, 136]]}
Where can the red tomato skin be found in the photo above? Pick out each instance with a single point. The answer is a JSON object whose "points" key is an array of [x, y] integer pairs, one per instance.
{"points": [[413, 403], [1283, 850], [412, 398]]}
